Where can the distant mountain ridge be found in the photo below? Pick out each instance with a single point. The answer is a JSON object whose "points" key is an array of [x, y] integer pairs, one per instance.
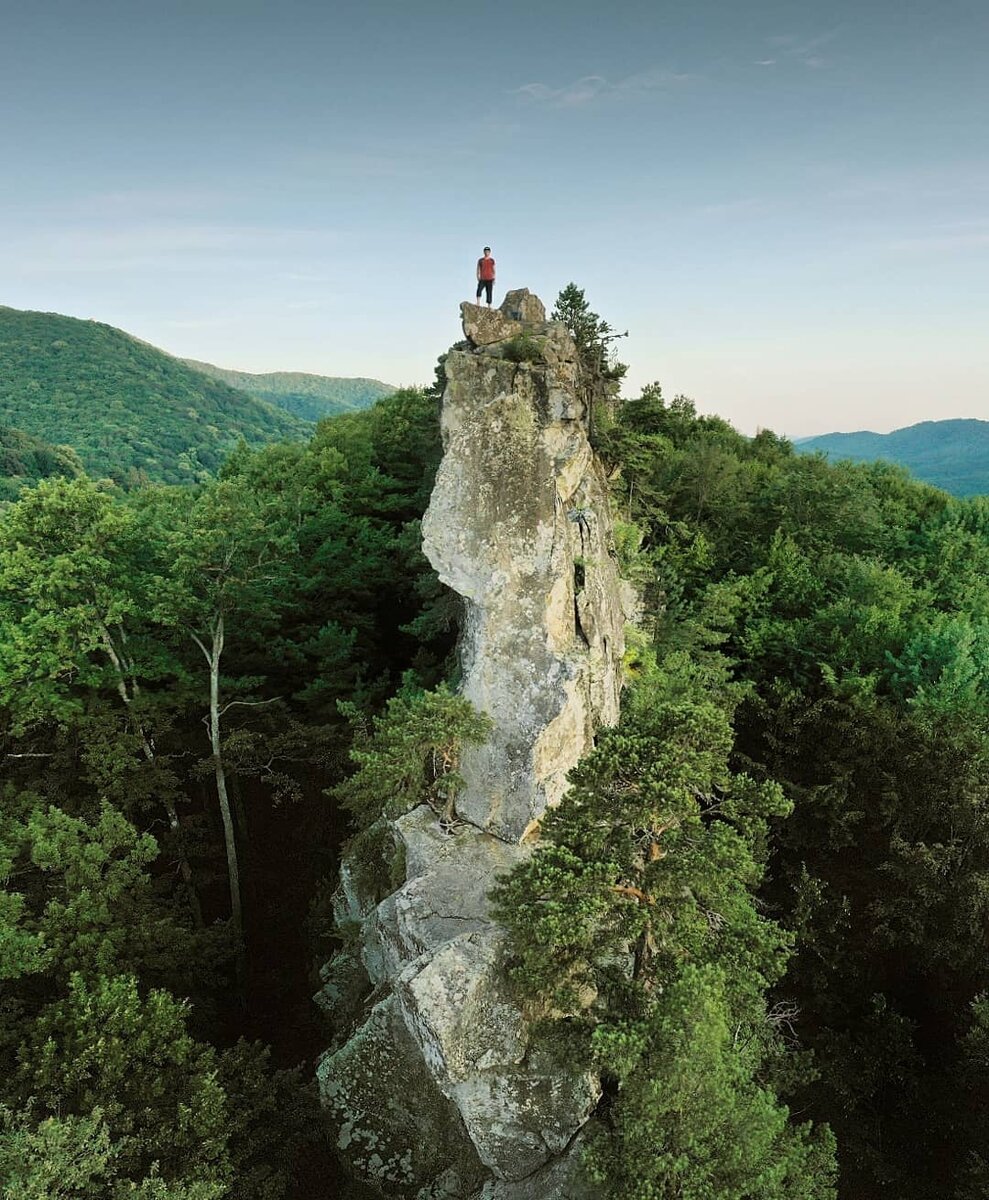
{"points": [[951, 454], [130, 411], [310, 397]]}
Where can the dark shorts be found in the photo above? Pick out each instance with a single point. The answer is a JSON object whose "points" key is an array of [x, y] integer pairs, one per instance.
{"points": [[485, 284]]}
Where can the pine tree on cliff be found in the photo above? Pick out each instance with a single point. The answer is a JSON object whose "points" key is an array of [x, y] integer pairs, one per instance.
{"points": [[634, 929], [592, 334], [601, 372]]}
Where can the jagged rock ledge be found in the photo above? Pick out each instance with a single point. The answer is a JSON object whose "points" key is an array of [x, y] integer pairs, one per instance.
{"points": [[439, 1090]]}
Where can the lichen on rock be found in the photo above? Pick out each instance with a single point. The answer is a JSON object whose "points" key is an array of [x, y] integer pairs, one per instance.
{"points": [[390, 1120]]}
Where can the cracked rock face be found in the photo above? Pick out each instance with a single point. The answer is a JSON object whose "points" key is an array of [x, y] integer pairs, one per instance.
{"points": [[389, 1119], [518, 1108], [439, 1089], [519, 524]]}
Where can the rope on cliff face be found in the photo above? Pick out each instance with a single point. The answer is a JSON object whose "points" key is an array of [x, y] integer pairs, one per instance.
{"points": [[581, 517]]}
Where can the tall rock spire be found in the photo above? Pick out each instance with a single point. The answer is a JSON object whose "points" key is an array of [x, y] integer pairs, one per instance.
{"points": [[519, 524], [439, 1090]]}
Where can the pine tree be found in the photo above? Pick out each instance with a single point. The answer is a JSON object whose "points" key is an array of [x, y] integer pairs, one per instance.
{"points": [[635, 934]]}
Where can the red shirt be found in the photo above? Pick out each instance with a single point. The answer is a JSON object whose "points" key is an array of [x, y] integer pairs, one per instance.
{"points": [[486, 266]]}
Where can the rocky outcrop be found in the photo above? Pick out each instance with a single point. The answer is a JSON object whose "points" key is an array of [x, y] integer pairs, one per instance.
{"points": [[519, 524], [439, 1089], [391, 1122]]}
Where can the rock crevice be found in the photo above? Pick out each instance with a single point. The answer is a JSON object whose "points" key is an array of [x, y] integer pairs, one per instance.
{"points": [[519, 525]]}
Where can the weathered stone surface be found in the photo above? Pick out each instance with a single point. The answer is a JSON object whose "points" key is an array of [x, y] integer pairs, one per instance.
{"points": [[519, 524], [354, 905], [446, 894], [439, 1091], [392, 1124], [559, 1180], [350, 902], [441, 955], [448, 1186], [455, 1005], [522, 305], [345, 985], [519, 312], [519, 1109], [483, 326]]}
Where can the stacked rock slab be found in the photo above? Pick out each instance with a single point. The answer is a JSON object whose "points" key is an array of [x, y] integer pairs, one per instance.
{"points": [[439, 1090]]}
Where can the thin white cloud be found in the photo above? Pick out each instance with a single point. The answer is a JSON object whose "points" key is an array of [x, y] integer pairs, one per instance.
{"points": [[581, 91], [590, 88], [656, 79], [801, 50]]}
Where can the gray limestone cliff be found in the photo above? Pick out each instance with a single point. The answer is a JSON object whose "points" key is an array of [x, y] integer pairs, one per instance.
{"points": [[438, 1089]]}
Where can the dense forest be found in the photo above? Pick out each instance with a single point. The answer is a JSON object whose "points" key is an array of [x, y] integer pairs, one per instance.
{"points": [[788, 825], [171, 663], [132, 413], [310, 397], [819, 630], [25, 459]]}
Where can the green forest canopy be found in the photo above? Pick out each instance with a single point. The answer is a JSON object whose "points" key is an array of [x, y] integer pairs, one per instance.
{"points": [[25, 459], [810, 676], [122, 983], [131, 412], [310, 397], [951, 454]]}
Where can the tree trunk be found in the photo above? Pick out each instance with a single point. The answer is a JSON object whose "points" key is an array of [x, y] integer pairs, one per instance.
{"points": [[229, 836], [240, 811], [185, 869]]}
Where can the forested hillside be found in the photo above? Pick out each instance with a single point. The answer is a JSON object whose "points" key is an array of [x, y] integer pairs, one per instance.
{"points": [[131, 412], [25, 459], [788, 826], [310, 397], [166, 850], [953, 455], [837, 616]]}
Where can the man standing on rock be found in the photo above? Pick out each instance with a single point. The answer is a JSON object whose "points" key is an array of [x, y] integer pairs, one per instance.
{"points": [[485, 274]]}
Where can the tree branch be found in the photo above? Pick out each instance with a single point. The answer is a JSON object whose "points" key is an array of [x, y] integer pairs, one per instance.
{"points": [[202, 646], [247, 703]]}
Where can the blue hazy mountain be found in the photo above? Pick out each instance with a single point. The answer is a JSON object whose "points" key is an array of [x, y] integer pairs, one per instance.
{"points": [[953, 454]]}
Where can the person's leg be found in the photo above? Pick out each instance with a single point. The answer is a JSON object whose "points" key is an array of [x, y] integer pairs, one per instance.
{"points": [[480, 288], [489, 288]]}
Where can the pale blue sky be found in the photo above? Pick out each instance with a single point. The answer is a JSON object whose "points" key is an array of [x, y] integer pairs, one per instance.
{"points": [[787, 204]]}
